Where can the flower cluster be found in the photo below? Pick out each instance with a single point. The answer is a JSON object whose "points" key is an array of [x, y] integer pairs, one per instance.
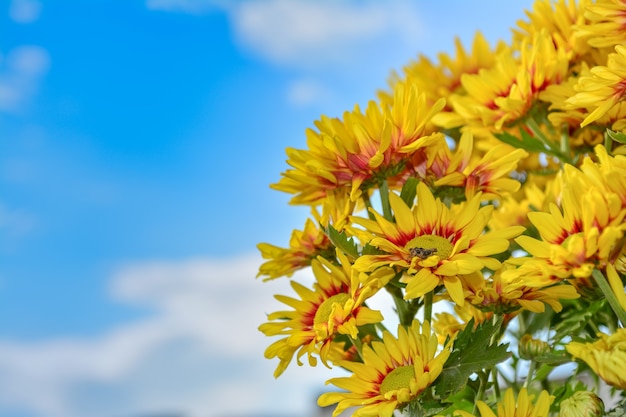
{"points": [[484, 196]]}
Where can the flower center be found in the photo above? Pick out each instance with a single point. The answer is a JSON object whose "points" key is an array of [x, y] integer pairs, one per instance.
{"points": [[397, 379], [428, 245], [323, 311]]}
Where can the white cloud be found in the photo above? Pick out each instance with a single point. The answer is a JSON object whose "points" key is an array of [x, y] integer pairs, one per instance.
{"points": [[318, 33], [199, 352], [303, 92], [183, 6], [21, 72], [312, 34], [25, 11]]}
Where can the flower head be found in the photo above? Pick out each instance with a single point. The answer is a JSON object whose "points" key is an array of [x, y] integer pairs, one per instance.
{"points": [[560, 19], [501, 95], [304, 246], [585, 230], [351, 154], [523, 407], [434, 244], [603, 90], [605, 27], [606, 357], [582, 404], [394, 372], [506, 292], [489, 174], [334, 306]]}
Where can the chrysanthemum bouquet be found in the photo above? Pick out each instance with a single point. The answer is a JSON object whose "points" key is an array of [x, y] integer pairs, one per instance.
{"points": [[484, 193]]}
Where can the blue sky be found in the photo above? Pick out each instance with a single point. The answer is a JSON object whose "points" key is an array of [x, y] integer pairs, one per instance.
{"points": [[138, 140]]}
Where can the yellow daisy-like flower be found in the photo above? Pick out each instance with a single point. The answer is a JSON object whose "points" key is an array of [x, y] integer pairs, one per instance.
{"points": [[304, 246], [503, 94], [562, 113], [507, 292], [585, 230], [441, 79], [607, 19], [353, 154], [560, 19], [434, 244], [394, 372], [606, 357], [509, 407], [334, 306], [603, 89], [488, 175]]}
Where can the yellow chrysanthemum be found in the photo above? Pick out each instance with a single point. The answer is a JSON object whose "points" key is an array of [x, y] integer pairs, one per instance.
{"points": [[439, 80], [603, 89], [434, 244], [334, 306], [605, 27], [507, 292], [503, 94], [606, 357], [394, 372], [563, 114], [488, 174], [585, 230], [560, 19], [304, 246], [509, 407], [353, 154]]}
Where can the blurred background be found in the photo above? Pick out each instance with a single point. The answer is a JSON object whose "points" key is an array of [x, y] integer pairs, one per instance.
{"points": [[138, 139]]}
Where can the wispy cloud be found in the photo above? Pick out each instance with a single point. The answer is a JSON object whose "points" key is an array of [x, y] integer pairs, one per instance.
{"points": [[184, 6], [21, 72], [305, 91], [199, 353], [320, 32], [25, 11], [310, 33]]}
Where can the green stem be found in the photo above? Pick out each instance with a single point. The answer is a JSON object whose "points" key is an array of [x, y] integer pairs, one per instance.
{"points": [[384, 199], [496, 384], [565, 148], [481, 389], [358, 345], [428, 307], [536, 130], [610, 297], [368, 205], [531, 371], [406, 310]]}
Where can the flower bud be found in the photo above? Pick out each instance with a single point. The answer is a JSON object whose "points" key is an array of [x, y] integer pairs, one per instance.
{"points": [[582, 404], [530, 348]]}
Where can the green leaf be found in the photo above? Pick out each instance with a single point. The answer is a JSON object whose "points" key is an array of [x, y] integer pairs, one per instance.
{"points": [[527, 142], [371, 250], [473, 352], [462, 400], [530, 143], [409, 191], [616, 136], [573, 320], [341, 241]]}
